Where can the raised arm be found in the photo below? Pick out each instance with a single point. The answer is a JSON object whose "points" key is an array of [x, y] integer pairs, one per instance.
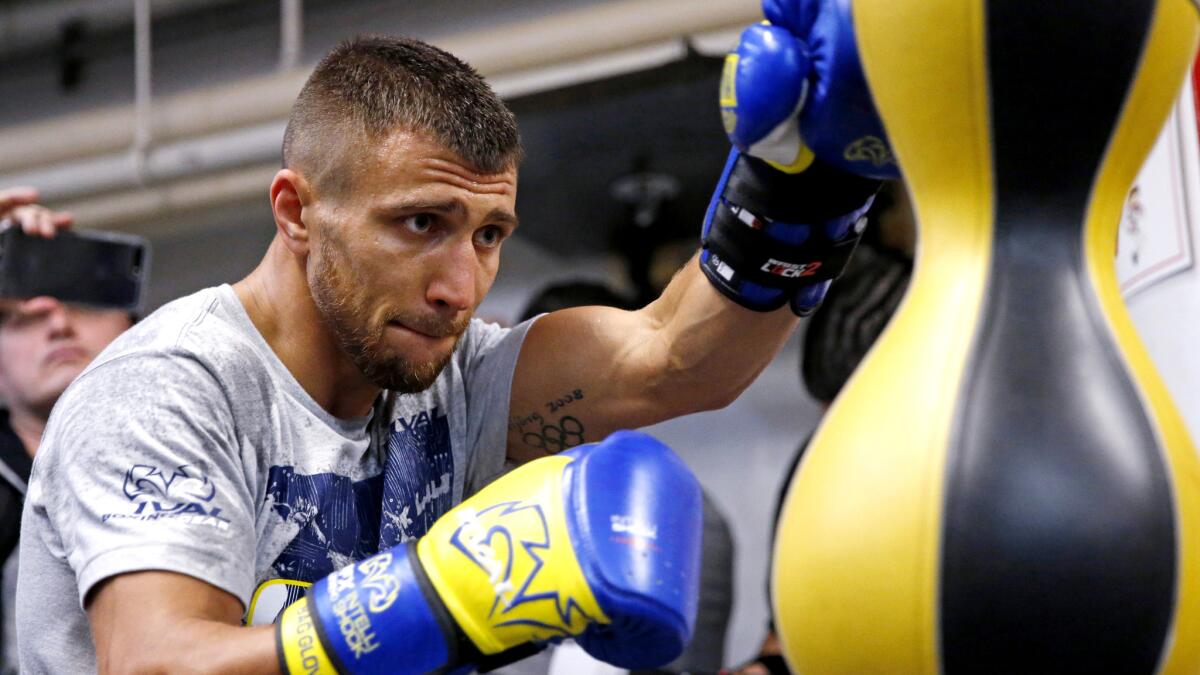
{"points": [[587, 371], [785, 216]]}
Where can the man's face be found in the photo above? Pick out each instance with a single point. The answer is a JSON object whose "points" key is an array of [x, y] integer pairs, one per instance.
{"points": [[400, 259], [44, 345]]}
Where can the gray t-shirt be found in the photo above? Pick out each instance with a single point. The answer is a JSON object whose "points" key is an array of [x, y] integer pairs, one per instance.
{"points": [[188, 446]]}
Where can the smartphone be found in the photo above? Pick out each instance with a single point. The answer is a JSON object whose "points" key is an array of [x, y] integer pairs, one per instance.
{"points": [[98, 269]]}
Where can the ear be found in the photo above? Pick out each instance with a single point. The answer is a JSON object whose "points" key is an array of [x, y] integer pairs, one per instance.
{"points": [[289, 195]]}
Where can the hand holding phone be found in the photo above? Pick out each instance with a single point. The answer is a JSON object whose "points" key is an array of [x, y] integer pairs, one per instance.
{"points": [[99, 269], [19, 206]]}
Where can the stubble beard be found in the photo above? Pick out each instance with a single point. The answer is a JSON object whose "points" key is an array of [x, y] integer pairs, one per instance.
{"points": [[344, 306]]}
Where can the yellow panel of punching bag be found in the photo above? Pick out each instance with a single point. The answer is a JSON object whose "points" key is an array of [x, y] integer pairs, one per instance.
{"points": [[1004, 485]]}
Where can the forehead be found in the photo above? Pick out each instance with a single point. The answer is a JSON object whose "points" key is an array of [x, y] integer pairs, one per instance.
{"points": [[406, 159]]}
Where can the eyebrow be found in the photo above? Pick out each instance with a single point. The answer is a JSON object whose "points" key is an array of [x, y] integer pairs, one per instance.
{"points": [[502, 216], [450, 207]]}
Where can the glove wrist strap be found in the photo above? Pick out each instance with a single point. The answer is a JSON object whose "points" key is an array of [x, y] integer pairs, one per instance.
{"points": [[370, 616], [298, 645], [770, 235]]}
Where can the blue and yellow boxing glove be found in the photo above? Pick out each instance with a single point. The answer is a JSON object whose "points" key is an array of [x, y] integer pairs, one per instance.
{"points": [[809, 153], [601, 543]]}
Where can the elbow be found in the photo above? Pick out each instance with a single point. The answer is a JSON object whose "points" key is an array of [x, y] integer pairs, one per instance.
{"points": [[711, 386], [714, 384], [687, 393], [716, 398], [674, 382]]}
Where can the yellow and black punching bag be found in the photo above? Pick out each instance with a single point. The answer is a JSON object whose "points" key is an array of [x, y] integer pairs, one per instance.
{"points": [[1005, 485]]}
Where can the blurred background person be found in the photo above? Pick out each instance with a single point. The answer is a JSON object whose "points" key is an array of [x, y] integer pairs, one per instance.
{"points": [[44, 345]]}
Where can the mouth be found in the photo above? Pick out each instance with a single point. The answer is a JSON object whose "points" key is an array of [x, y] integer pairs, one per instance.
{"points": [[64, 354], [429, 338]]}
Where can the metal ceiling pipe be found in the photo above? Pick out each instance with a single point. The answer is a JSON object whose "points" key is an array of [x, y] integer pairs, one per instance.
{"points": [[149, 165], [105, 191], [25, 25], [151, 211], [159, 164], [143, 56], [291, 33], [575, 34], [194, 113]]}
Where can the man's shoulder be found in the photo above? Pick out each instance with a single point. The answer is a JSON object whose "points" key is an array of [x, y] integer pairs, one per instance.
{"points": [[196, 327], [191, 341], [182, 361], [482, 337]]}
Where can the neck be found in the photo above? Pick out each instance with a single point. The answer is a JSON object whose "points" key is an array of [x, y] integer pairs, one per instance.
{"points": [[279, 301], [28, 426]]}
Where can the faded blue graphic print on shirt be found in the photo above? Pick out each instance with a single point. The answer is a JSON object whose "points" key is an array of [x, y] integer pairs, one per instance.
{"points": [[418, 477], [338, 519], [342, 520]]}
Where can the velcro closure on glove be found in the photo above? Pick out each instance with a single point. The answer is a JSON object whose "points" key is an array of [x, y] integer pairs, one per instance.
{"points": [[739, 238], [771, 234]]}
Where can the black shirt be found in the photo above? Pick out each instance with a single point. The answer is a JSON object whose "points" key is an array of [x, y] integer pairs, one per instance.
{"points": [[15, 465]]}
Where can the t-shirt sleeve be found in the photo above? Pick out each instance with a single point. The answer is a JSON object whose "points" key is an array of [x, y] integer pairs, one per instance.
{"points": [[139, 470], [491, 360]]}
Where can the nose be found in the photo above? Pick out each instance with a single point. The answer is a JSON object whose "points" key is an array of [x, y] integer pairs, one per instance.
{"points": [[452, 282], [55, 314], [58, 321]]}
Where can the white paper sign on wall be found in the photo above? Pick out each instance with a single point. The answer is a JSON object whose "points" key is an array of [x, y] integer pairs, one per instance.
{"points": [[1162, 211]]}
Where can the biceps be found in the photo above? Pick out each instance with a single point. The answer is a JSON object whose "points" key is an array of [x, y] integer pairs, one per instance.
{"points": [[582, 373], [552, 426]]}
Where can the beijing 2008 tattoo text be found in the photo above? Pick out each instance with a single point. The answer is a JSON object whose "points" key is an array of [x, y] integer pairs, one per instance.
{"points": [[551, 436]]}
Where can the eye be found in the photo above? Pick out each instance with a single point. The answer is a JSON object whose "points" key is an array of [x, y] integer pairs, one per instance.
{"points": [[17, 320], [489, 236], [419, 223]]}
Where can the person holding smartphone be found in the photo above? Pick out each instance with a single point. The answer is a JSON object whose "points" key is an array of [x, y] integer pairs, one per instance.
{"points": [[44, 345]]}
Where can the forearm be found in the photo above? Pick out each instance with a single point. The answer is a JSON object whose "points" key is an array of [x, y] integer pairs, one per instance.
{"points": [[710, 349], [160, 622], [196, 646]]}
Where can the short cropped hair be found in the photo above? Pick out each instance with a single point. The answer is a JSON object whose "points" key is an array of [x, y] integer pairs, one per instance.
{"points": [[371, 86]]}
